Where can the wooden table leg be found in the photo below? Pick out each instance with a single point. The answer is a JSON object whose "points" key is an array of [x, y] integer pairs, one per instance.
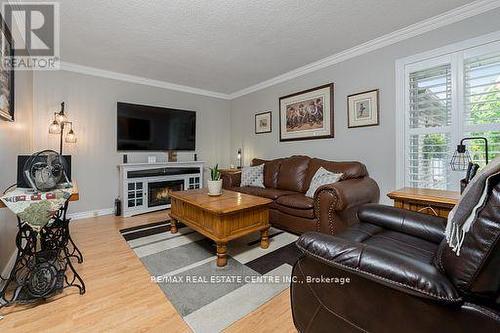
{"points": [[173, 226], [221, 254], [264, 238]]}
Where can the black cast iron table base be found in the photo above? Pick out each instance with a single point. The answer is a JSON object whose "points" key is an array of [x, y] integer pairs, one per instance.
{"points": [[43, 266]]}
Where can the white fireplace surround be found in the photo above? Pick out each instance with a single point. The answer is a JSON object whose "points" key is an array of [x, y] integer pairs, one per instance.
{"points": [[135, 179]]}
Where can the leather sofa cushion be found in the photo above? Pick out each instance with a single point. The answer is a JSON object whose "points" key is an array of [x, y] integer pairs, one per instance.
{"points": [[298, 201], [270, 193], [305, 213], [428, 227], [293, 172], [295, 205], [349, 170], [381, 265], [291, 223], [392, 241], [271, 171]]}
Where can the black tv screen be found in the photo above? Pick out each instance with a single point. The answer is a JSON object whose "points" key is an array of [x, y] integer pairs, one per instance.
{"points": [[151, 128]]}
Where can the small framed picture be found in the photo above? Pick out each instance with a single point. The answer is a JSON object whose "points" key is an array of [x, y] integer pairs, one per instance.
{"points": [[263, 122], [363, 109]]}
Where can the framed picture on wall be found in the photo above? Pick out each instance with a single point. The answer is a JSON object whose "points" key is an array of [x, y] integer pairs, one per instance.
{"points": [[307, 115], [6, 75], [263, 122], [363, 109]]}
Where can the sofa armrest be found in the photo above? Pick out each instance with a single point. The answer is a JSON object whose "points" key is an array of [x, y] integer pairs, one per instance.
{"points": [[398, 272], [335, 205], [421, 225], [351, 192], [230, 179]]}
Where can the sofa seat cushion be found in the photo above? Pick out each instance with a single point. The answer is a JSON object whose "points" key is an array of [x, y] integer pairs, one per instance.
{"points": [[392, 241], [294, 224], [270, 193], [296, 200], [295, 204], [304, 213]]}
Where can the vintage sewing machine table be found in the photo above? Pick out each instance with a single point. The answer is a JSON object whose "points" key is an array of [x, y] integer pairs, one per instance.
{"points": [[43, 264]]}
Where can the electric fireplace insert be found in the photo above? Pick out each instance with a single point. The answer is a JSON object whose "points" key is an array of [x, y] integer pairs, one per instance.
{"points": [[159, 192]]}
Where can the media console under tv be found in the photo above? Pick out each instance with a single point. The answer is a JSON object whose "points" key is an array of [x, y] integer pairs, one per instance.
{"points": [[145, 187]]}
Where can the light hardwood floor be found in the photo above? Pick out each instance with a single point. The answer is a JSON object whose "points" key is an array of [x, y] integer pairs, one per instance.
{"points": [[120, 295]]}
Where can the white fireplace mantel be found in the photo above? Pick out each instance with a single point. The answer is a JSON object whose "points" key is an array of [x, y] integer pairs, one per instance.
{"points": [[139, 181]]}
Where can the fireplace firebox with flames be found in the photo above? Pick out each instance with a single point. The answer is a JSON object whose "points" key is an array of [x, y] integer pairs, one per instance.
{"points": [[159, 192]]}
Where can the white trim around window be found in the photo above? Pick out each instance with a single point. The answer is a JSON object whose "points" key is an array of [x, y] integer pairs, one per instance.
{"points": [[453, 54]]}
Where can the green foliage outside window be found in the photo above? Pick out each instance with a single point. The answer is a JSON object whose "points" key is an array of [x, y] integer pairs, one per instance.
{"points": [[434, 146], [485, 110]]}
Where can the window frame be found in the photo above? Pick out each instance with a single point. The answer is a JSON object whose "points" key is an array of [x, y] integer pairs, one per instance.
{"points": [[453, 54]]}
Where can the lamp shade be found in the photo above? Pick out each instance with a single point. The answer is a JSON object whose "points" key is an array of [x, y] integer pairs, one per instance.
{"points": [[54, 128], [70, 137], [461, 158], [61, 117]]}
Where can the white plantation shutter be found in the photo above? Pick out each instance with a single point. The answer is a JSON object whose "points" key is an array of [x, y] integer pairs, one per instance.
{"points": [[428, 127], [482, 104], [482, 90], [430, 97], [447, 95]]}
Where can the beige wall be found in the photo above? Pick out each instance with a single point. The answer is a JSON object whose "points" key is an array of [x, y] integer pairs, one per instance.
{"points": [[374, 146], [91, 105], [15, 138]]}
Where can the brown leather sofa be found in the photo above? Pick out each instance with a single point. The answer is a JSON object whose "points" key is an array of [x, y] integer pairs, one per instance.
{"points": [[403, 276], [334, 206]]}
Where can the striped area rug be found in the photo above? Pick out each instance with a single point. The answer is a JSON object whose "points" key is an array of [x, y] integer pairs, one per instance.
{"points": [[211, 298]]}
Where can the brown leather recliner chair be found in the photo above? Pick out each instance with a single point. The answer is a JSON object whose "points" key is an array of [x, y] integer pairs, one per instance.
{"points": [[286, 181], [403, 276]]}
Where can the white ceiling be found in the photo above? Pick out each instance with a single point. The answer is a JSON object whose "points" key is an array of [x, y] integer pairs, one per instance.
{"points": [[226, 45]]}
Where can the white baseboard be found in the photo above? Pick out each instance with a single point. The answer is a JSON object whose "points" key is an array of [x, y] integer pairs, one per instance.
{"points": [[90, 214]]}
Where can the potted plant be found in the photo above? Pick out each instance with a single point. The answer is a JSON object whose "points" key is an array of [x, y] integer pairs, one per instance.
{"points": [[215, 183]]}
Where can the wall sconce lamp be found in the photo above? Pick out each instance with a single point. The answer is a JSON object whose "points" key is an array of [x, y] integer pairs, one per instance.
{"points": [[461, 157], [57, 127]]}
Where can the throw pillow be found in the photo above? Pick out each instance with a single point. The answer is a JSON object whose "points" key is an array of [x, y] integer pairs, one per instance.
{"points": [[253, 176], [322, 177]]}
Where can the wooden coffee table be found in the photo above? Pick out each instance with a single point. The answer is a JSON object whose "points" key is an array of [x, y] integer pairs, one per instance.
{"points": [[222, 218]]}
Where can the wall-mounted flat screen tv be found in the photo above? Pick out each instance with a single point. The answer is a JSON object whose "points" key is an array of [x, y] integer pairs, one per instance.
{"points": [[152, 128]]}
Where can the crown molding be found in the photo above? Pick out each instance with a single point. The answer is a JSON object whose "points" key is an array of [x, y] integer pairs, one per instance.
{"points": [[419, 28], [455, 15], [75, 68]]}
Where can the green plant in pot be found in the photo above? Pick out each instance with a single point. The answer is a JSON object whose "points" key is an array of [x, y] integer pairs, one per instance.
{"points": [[215, 183]]}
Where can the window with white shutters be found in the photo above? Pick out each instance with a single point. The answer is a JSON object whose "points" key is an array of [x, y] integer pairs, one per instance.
{"points": [[447, 98], [429, 128], [482, 104]]}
